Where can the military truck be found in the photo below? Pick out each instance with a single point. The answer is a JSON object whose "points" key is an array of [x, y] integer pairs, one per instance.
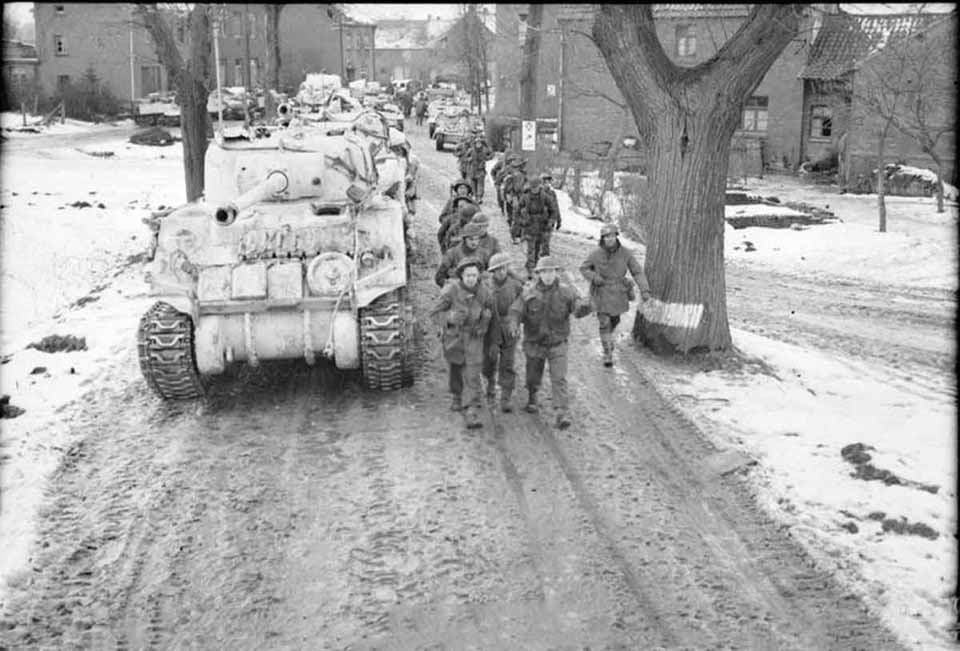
{"points": [[296, 252]]}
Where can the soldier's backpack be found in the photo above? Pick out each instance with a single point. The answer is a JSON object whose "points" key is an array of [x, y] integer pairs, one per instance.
{"points": [[536, 204]]}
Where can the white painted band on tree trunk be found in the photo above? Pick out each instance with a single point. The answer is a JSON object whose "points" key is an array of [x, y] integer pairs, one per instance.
{"points": [[676, 315]]}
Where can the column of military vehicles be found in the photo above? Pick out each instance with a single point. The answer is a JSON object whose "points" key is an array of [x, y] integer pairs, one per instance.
{"points": [[298, 250]]}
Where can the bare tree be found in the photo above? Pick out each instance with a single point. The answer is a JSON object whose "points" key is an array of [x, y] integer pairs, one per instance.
{"points": [[191, 79], [908, 86], [686, 118]]}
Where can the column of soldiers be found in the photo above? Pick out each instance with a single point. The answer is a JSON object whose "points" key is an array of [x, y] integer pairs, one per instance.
{"points": [[485, 307]]}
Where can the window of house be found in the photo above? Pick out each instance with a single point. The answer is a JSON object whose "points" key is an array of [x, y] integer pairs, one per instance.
{"points": [[63, 81], [686, 41], [821, 122], [59, 8], [59, 45], [755, 114], [254, 73], [238, 72]]}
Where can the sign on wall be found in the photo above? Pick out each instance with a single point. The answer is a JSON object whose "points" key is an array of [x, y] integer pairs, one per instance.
{"points": [[551, 90], [528, 133]]}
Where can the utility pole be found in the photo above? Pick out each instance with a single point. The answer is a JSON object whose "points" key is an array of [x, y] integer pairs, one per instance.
{"points": [[529, 64], [343, 70]]}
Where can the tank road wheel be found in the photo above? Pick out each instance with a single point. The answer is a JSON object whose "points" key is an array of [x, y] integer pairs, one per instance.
{"points": [[165, 347], [387, 342]]}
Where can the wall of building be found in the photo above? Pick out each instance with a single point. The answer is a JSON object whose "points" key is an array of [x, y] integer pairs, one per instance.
{"points": [[308, 43], [105, 49], [928, 67], [507, 53], [593, 107]]}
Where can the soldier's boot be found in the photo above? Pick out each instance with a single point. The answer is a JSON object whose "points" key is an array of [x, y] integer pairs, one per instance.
{"points": [[531, 407], [563, 420], [506, 405], [606, 341], [455, 404], [472, 418]]}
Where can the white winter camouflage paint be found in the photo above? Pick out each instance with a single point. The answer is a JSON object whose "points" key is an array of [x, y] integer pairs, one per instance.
{"points": [[676, 315]]}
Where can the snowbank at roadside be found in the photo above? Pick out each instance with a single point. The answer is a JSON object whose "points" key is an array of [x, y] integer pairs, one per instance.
{"points": [[796, 425], [11, 123]]}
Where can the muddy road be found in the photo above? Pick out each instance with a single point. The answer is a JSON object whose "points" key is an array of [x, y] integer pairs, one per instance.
{"points": [[293, 509]]}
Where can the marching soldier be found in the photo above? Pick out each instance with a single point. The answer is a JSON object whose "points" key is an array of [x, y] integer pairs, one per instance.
{"points": [[501, 346], [488, 242], [465, 312], [459, 188], [544, 308], [606, 269], [451, 226], [513, 181], [539, 215], [478, 156], [469, 247]]}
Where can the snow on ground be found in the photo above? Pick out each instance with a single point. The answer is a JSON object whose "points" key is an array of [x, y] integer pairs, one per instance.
{"points": [[52, 256], [795, 426], [10, 122]]}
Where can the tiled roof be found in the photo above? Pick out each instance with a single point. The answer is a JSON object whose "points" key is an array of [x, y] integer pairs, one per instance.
{"points": [[676, 10], [845, 39]]}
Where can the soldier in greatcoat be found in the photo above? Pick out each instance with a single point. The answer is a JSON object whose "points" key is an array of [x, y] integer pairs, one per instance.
{"points": [[465, 312], [606, 269], [501, 346]]}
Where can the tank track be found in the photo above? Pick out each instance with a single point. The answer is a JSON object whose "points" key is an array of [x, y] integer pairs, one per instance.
{"points": [[386, 342], [165, 349]]}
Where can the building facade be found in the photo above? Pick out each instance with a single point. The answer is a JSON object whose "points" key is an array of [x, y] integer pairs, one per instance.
{"points": [[20, 73], [77, 40]]}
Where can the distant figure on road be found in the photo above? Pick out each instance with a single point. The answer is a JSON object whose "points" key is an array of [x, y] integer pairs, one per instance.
{"points": [[544, 308], [606, 269], [420, 108], [465, 312]]}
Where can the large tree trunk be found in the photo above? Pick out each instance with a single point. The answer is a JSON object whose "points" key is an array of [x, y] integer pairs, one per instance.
{"points": [[190, 79], [686, 118]]}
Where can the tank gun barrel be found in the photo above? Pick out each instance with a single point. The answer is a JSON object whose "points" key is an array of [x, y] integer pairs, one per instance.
{"points": [[275, 183]]}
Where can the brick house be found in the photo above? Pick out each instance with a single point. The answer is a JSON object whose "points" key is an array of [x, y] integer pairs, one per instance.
{"points": [[853, 51], [73, 38], [403, 49], [591, 108], [20, 72]]}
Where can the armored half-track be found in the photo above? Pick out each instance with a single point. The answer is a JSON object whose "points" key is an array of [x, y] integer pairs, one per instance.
{"points": [[296, 252]]}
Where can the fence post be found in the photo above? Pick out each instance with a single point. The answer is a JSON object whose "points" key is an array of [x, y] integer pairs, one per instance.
{"points": [[23, 111], [63, 112]]}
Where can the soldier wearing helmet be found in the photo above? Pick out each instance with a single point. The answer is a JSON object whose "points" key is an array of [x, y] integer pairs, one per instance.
{"points": [[465, 313], [474, 165], [513, 178], [544, 309], [539, 215], [611, 291], [451, 225], [488, 242], [468, 247], [501, 347]]}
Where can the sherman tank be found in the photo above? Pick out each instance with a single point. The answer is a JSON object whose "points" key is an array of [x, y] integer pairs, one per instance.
{"points": [[296, 252]]}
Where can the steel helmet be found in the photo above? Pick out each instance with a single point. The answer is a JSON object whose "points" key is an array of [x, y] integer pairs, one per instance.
{"points": [[461, 183], [547, 262], [468, 210], [546, 176], [468, 261], [472, 230], [498, 260], [481, 219], [609, 229]]}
